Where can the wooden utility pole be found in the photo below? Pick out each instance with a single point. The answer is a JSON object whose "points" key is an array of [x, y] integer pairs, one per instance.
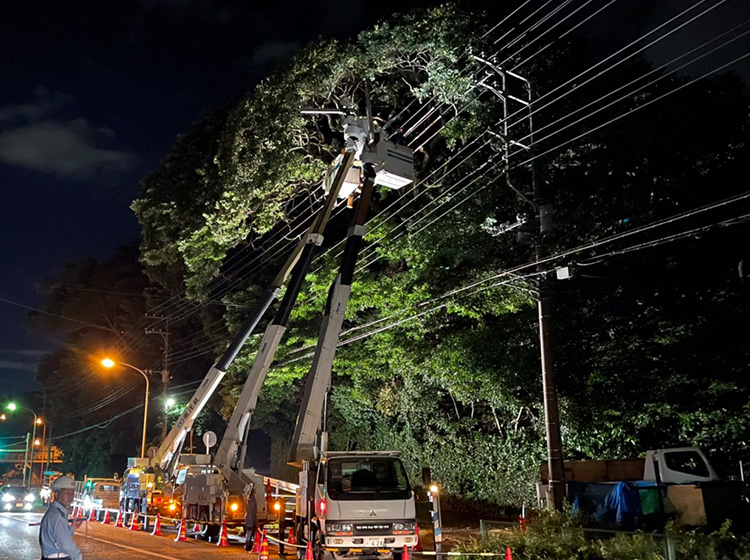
{"points": [[164, 373]]}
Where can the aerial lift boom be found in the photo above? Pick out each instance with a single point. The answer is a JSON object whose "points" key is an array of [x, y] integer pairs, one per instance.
{"points": [[167, 455]]}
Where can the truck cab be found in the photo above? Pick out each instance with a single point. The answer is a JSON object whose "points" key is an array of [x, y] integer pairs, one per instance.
{"points": [[363, 505], [678, 465]]}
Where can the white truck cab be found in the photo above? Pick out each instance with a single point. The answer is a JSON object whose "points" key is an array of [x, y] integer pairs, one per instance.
{"points": [[363, 504], [678, 465]]}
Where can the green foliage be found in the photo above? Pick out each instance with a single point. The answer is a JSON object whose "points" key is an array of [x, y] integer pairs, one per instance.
{"points": [[556, 537], [440, 357]]}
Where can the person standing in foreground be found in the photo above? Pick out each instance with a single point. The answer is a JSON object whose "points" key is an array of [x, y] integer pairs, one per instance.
{"points": [[251, 519], [56, 533]]}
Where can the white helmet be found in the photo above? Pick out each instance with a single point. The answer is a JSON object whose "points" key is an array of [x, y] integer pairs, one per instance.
{"points": [[63, 483]]}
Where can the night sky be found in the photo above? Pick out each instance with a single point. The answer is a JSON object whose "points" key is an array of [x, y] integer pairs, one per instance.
{"points": [[92, 95]]}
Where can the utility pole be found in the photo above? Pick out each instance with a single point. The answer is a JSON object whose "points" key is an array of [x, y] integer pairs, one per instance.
{"points": [[541, 215], [164, 372]]}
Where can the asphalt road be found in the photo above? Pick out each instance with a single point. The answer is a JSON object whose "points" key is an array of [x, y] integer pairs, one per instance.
{"points": [[20, 541]]}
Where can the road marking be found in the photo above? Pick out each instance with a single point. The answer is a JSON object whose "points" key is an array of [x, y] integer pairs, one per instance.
{"points": [[140, 550]]}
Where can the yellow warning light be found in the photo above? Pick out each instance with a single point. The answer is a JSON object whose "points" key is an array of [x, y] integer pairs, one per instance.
{"points": [[277, 506], [234, 507], [434, 488]]}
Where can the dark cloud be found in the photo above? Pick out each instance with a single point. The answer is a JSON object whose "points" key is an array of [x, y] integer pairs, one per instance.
{"points": [[43, 103], [20, 360], [65, 149], [270, 53]]}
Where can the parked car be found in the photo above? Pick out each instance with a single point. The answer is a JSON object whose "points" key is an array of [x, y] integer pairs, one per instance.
{"points": [[16, 498]]}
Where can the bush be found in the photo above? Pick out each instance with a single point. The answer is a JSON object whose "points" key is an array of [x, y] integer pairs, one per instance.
{"points": [[557, 537]]}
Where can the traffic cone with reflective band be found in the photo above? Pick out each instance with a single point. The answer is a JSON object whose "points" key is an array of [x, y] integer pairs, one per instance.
{"points": [[309, 551], [292, 538], [157, 526], [418, 546], [197, 527], [223, 535], [119, 522], [405, 554], [256, 542], [92, 515], [105, 519], [75, 512], [134, 524], [263, 548], [522, 517], [181, 532], [508, 555]]}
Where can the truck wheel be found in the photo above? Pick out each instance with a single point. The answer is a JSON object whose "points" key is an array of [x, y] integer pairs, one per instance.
{"points": [[397, 555], [299, 528], [207, 530]]}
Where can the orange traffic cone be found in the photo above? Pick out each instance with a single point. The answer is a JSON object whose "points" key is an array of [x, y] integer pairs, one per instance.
{"points": [[405, 554], [223, 535], [105, 519], [197, 527], [309, 551], [292, 537], [75, 512], [119, 522], [263, 548], [418, 546], [92, 515], [256, 542], [181, 532], [508, 555], [134, 525], [157, 526]]}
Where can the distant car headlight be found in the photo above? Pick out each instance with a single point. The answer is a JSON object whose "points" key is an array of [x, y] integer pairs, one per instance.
{"points": [[29, 498], [8, 497]]}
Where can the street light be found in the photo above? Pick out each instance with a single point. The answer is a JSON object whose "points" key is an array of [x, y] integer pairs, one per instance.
{"points": [[12, 407], [107, 363]]}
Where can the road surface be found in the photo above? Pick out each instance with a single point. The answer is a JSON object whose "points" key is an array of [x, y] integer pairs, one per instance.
{"points": [[20, 541]]}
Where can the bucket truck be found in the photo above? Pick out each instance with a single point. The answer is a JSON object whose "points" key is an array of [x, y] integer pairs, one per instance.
{"points": [[146, 476], [379, 161], [349, 504]]}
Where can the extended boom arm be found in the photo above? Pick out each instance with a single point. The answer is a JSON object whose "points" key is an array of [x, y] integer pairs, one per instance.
{"points": [[168, 453]]}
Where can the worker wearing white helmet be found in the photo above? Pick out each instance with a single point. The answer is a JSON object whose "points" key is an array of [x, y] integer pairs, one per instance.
{"points": [[56, 532]]}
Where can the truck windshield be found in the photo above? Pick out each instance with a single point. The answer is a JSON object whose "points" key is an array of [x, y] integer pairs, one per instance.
{"points": [[367, 478]]}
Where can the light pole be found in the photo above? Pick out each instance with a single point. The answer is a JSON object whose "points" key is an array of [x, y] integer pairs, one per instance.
{"points": [[12, 407], [106, 362]]}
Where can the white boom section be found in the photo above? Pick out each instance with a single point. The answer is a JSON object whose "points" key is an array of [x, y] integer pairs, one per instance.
{"points": [[169, 451], [235, 436], [318, 380]]}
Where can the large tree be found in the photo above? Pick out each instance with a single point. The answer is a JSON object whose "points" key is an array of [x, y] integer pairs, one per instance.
{"points": [[448, 371]]}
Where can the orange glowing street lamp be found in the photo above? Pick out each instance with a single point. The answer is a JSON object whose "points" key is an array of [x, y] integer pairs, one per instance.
{"points": [[108, 363]]}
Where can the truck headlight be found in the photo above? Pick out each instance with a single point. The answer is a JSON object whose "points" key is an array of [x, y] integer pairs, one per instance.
{"points": [[403, 526], [335, 527]]}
